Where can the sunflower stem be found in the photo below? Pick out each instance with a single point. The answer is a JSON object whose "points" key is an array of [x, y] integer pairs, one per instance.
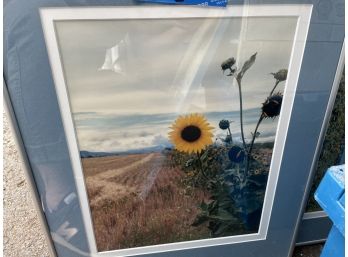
{"points": [[252, 142], [200, 165], [238, 173], [229, 131], [276, 84], [241, 112]]}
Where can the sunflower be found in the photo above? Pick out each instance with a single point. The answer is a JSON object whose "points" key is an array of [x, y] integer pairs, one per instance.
{"points": [[229, 65], [271, 107], [280, 75], [191, 133], [224, 124], [236, 154]]}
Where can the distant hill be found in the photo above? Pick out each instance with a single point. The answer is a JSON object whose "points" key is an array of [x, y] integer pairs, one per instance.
{"points": [[89, 154]]}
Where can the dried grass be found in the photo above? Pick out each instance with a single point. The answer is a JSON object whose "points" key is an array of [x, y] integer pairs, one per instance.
{"points": [[155, 210]]}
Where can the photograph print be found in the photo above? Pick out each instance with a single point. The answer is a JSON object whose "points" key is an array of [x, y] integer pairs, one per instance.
{"points": [[176, 122]]}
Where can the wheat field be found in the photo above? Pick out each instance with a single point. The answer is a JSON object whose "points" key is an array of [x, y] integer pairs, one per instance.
{"points": [[138, 200]]}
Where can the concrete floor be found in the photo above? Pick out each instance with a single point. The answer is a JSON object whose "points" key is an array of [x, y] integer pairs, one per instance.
{"points": [[22, 229]]}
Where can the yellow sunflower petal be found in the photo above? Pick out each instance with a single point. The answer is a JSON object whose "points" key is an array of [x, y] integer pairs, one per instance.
{"points": [[204, 138]]}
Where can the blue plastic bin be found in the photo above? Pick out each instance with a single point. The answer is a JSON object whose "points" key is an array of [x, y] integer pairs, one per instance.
{"points": [[330, 195]]}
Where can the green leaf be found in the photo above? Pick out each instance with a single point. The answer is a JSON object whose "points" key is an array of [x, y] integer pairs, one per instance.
{"points": [[212, 205], [226, 203], [204, 156], [200, 219], [223, 227], [223, 215], [230, 172], [204, 206], [246, 66]]}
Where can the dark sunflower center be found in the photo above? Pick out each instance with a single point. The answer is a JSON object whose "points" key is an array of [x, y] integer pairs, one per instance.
{"points": [[191, 133]]}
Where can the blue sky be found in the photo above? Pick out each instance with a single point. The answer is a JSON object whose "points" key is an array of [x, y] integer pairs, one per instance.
{"points": [[169, 68]]}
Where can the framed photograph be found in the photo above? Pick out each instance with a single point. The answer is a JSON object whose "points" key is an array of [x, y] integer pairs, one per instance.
{"points": [[174, 149], [179, 130]]}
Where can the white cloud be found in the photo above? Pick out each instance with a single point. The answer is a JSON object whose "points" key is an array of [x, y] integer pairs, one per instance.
{"points": [[152, 56]]}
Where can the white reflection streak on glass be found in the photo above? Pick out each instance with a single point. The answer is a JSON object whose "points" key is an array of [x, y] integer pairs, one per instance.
{"points": [[195, 63], [112, 59]]}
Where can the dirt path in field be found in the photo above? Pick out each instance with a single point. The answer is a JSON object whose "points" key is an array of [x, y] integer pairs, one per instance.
{"points": [[150, 180], [115, 183]]}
